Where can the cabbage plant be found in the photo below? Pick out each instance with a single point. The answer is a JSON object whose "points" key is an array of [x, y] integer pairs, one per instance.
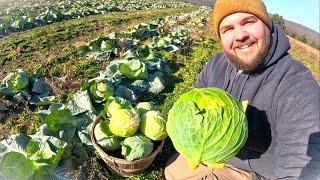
{"points": [[25, 157], [101, 90], [208, 126], [136, 147], [18, 81], [133, 69], [153, 125]]}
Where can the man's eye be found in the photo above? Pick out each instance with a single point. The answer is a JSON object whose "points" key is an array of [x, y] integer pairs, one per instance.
{"points": [[227, 30], [249, 22]]}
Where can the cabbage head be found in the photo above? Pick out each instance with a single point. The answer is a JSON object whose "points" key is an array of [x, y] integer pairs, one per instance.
{"points": [[105, 138], [101, 90], [18, 81], [136, 147], [124, 119], [207, 126], [114, 104], [153, 125], [107, 45], [134, 69], [144, 107]]}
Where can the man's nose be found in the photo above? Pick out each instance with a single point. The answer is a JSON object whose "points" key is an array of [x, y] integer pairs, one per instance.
{"points": [[241, 34]]}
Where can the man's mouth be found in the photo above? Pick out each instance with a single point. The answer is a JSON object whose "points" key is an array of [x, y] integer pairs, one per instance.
{"points": [[245, 46]]}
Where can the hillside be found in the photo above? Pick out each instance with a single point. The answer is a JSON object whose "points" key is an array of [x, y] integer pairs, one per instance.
{"points": [[311, 35], [201, 2]]}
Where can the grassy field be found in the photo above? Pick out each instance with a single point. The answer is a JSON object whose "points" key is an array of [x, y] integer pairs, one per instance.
{"points": [[54, 47], [308, 55]]}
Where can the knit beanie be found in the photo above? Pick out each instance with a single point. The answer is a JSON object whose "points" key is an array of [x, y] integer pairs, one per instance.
{"points": [[223, 8]]}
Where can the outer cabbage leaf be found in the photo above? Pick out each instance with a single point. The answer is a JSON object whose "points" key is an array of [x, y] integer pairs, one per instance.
{"points": [[123, 91], [105, 138], [80, 103], [58, 119], [39, 88], [136, 147], [16, 166], [45, 152]]}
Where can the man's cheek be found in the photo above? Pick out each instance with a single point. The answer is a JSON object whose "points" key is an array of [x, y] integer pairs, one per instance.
{"points": [[227, 43]]}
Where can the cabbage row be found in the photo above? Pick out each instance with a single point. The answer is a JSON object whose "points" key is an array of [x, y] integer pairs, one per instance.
{"points": [[62, 143], [38, 14]]}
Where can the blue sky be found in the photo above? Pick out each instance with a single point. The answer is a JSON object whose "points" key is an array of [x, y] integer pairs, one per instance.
{"points": [[305, 12]]}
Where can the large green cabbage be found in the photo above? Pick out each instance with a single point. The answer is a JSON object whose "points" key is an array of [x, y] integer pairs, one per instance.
{"points": [[207, 126], [124, 119], [153, 125]]}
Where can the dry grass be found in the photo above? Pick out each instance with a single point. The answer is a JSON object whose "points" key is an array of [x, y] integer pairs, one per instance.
{"points": [[308, 55]]}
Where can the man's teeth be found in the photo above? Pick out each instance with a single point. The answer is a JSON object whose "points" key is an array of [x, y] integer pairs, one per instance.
{"points": [[243, 47]]}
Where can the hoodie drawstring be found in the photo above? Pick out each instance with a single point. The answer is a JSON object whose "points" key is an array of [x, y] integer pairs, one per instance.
{"points": [[230, 81], [226, 78], [242, 86]]}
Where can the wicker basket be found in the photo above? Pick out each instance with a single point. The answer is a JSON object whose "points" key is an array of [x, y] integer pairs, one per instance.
{"points": [[123, 167]]}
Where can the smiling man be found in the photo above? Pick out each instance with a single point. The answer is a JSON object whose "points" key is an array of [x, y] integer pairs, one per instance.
{"points": [[284, 103]]}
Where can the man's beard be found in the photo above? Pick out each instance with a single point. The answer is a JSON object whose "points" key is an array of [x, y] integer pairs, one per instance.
{"points": [[255, 62]]}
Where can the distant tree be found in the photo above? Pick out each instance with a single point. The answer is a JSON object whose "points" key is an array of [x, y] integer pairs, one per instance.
{"points": [[276, 18], [303, 39], [293, 34]]}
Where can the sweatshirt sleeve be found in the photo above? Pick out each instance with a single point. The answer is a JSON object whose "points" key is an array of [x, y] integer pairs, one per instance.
{"points": [[202, 78], [298, 128]]}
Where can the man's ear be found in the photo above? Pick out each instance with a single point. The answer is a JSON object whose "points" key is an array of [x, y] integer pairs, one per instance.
{"points": [[220, 45]]}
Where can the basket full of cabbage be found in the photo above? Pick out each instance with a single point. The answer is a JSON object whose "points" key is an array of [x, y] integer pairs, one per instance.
{"points": [[128, 137], [207, 126]]}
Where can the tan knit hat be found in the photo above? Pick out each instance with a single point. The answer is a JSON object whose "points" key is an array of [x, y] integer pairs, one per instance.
{"points": [[223, 8]]}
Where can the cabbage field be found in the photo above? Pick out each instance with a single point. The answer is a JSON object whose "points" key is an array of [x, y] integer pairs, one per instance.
{"points": [[61, 63], [34, 14]]}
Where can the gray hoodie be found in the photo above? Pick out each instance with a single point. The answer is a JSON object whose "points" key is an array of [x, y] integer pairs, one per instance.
{"points": [[283, 116]]}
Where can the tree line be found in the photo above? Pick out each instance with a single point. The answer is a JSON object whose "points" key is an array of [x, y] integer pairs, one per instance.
{"points": [[301, 37]]}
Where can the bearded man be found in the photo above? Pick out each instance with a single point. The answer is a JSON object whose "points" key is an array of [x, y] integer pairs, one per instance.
{"points": [[283, 113]]}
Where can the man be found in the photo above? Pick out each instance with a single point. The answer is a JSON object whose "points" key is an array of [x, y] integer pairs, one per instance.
{"points": [[283, 113]]}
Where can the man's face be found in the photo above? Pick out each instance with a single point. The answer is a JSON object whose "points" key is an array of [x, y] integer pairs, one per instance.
{"points": [[245, 40]]}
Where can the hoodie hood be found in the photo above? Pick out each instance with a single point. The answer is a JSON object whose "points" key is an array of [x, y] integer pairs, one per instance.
{"points": [[279, 47]]}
